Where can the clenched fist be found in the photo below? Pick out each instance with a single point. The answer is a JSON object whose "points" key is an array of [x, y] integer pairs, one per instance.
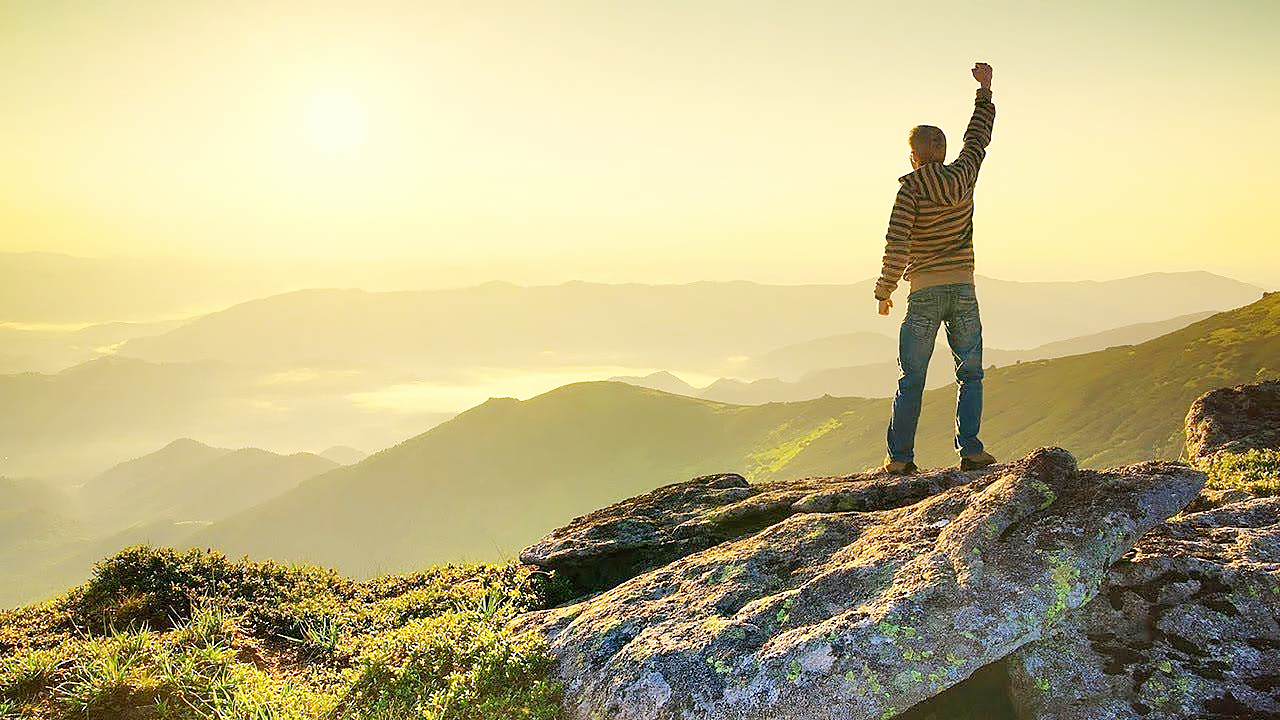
{"points": [[982, 73]]}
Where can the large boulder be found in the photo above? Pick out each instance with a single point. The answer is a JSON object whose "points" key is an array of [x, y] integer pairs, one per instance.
{"points": [[608, 546], [832, 612], [1234, 420], [1185, 627], [1233, 434]]}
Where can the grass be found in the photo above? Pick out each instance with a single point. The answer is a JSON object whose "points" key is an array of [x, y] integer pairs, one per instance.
{"points": [[769, 461], [1254, 471], [158, 633]]}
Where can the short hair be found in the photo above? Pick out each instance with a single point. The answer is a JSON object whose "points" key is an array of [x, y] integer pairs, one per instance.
{"points": [[920, 134]]}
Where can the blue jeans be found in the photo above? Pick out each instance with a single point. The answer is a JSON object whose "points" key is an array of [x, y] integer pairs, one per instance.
{"points": [[957, 307]]}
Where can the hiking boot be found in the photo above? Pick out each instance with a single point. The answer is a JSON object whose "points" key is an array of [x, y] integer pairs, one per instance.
{"points": [[975, 462], [895, 467]]}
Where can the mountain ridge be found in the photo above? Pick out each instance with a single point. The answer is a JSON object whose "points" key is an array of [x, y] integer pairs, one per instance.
{"points": [[693, 325], [879, 379]]}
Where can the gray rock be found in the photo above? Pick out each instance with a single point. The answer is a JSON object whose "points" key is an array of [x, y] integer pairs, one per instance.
{"points": [[1211, 498], [1235, 420], [604, 548], [831, 613], [1185, 626]]}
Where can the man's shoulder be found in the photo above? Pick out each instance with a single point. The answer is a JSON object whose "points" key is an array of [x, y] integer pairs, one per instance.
{"points": [[913, 181]]}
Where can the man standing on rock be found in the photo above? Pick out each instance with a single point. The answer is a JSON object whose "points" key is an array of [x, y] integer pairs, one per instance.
{"points": [[930, 243]]}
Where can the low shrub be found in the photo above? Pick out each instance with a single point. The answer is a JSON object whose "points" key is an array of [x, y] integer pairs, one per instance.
{"points": [[158, 633]]}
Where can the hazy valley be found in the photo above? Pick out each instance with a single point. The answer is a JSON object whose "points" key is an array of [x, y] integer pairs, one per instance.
{"points": [[126, 444], [309, 369]]}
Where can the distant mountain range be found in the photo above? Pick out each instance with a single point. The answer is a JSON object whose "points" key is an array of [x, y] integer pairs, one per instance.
{"points": [[290, 371], [190, 481], [48, 537], [501, 474], [45, 287], [344, 455], [701, 327], [879, 379], [72, 425], [51, 348], [850, 349]]}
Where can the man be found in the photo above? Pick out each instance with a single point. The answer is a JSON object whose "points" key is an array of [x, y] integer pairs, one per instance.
{"points": [[930, 243]]}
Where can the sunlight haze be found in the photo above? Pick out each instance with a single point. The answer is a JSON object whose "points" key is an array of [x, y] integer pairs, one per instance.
{"points": [[648, 142]]}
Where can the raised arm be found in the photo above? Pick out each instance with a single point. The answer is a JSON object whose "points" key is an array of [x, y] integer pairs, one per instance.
{"points": [[978, 135]]}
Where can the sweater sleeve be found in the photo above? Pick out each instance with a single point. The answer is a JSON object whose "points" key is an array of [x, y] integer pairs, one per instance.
{"points": [[897, 248], [976, 138]]}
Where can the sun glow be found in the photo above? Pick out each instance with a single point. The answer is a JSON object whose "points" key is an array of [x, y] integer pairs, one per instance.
{"points": [[336, 121]]}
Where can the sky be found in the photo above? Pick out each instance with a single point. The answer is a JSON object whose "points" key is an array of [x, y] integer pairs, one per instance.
{"points": [[644, 141]]}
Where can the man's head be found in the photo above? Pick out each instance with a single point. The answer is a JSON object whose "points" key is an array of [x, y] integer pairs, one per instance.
{"points": [[928, 144]]}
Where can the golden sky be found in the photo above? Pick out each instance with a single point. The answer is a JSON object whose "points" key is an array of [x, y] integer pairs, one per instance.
{"points": [[642, 140]]}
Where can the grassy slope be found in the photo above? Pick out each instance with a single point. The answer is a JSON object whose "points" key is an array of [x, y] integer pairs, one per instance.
{"points": [[876, 374], [1111, 407], [1128, 404], [1127, 335], [863, 348], [506, 472]]}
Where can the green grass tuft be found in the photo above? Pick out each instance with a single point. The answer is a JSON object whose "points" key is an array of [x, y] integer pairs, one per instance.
{"points": [[1254, 471]]}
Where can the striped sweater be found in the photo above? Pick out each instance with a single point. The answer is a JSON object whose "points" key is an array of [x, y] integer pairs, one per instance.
{"points": [[930, 238]]}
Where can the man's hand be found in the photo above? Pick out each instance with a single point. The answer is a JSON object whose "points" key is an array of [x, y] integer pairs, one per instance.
{"points": [[884, 306], [982, 73]]}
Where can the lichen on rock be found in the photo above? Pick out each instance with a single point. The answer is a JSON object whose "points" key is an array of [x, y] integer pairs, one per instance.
{"points": [[1185, 626]]}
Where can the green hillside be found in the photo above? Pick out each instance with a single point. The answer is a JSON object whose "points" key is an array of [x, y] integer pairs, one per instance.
{"points": [[1127, 335], [1116, 406], [849, 351], [506, 472]]}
